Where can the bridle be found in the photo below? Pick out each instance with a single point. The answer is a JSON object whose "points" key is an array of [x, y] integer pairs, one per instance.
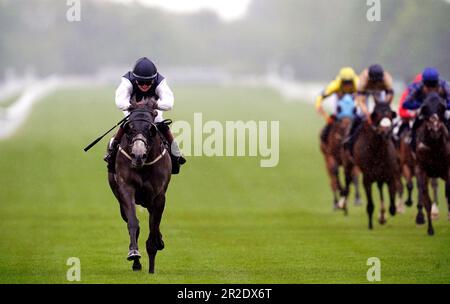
{"points": [[383, 115], [142, 138], [147, 163]]}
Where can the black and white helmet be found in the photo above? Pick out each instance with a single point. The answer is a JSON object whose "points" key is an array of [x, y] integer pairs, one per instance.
{"points": [[144, 70]]}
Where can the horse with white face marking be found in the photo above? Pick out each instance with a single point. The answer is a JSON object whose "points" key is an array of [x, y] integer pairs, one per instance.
{"points": [[141, 176], [375, 154]]}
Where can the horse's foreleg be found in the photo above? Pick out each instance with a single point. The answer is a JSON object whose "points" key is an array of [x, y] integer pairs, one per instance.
{"points": [[154, 241], [423, 186], [407, 174], [368, 189], [382, 217], [409, 186], [392, 186], [434, 185], [332, 170], [420, 219], [400, 190], [355, 174], [427, 202], [346, 191], [434, 208], [128, 206], [447, 191], [115, 189]]}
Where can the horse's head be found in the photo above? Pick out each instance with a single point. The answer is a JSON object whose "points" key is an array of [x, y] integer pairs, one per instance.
{"points": [[382, 119], [140, 131], [433, 112]]}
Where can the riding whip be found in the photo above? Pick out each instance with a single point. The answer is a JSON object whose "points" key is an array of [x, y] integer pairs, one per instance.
{"points": [[100, 138]]}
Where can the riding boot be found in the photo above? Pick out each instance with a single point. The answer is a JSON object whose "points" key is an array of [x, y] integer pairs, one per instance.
{"points": [[398, 131], [403, 127], [325, 132], [349, 142], [111, 151]]}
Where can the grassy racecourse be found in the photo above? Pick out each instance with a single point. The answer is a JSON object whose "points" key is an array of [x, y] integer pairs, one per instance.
{"points": [[226, 220]]}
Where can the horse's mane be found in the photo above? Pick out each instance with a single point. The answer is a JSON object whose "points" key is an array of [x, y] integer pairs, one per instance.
{"points": [[382, 107], [430, 104], [143, 114], [433, 97]]}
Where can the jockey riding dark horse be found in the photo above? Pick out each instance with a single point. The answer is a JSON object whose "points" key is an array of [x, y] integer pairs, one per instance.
{"points": [[374, 153], [138, 87], [376, 82], [432, 153], [331, 147], [141, 177], [431, 83]]}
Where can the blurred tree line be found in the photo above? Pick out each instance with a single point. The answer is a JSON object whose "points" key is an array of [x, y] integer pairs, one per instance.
{"points": [[314, 38]]}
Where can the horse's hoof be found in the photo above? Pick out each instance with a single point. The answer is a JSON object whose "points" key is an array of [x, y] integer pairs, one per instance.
{"points": [[133, 255], [409, 203], [341, 203], [430, 231], [420, 220], [136, 265], [392, 210], [151, 271], [382, 220], [400, 208], [358, 202]]}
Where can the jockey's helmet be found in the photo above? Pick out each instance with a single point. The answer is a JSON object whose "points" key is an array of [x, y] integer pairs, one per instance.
{"points": [[144, 70], [430, 77], [347, 74], [376, 73]]}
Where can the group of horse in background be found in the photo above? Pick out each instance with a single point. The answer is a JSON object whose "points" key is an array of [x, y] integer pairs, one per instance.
{"points": [[381, 159]]}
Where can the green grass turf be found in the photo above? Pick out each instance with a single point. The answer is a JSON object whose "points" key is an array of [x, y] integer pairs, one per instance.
{"points": [[226, 220]]}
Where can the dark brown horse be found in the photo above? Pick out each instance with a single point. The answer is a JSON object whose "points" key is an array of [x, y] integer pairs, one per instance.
{"points": [[332, 151], [432, 153], [408, 164], [374, 153], [142, 175]]}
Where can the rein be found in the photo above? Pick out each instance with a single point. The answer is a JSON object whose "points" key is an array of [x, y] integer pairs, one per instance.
{"points": [[145, 164]]}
